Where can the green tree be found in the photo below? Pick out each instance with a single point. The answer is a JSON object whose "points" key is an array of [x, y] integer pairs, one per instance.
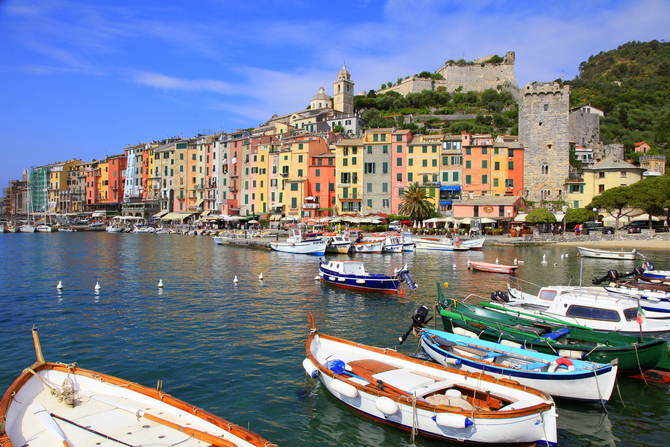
{"points": [[614, 201], [651, 194], [415, 203], [540, 216], [576, 216]]}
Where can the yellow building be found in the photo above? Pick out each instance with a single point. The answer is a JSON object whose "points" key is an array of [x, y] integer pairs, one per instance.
{"points": [[349, 173], [58, 183], [423, 164], [608, 173]]}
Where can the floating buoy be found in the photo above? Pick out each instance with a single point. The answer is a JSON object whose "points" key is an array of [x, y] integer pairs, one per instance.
{"points": [[60, 285], [260, 277], [160, 283], [562, 255], [555, 264], [235, 280], [97, 286], [446, 285], [566, 255], [317, 277], [544, 257], [496, 260]]}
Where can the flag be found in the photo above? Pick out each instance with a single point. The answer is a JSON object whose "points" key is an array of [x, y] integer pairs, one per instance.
{"points": [[640, 314]]}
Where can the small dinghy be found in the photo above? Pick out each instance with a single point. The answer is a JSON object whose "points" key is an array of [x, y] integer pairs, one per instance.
{"points": [[493, 268], [58, 404], [429, 399], [558, 376], [352, 275]]}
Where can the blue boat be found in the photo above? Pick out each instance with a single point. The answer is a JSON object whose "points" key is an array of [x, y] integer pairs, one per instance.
{"points": [[558, 376], [352, 275]]}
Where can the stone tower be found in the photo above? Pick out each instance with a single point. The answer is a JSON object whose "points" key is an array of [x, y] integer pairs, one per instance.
{"points": [[544, 131], [343, 92]]}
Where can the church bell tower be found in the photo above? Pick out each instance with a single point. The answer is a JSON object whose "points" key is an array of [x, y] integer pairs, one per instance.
{"points": [[343, 92]]}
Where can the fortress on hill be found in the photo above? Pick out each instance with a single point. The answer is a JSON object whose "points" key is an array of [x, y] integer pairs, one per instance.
{"points": [[475, 76]]}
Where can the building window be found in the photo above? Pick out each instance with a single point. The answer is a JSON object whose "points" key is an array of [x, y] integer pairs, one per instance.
{"points": [[369, 168], [468, 180], [410, 177], [601, 175], [398, 161], [510, 165], [601, 188], [398, 177], [485, 164], [495, 182], [385, 168], [496, 166], [410, 162], [399, 149], [485, 179], [369, 149], [454, 176], [385, 149], [424, 163], [369, 187], [468, 151], [317, 172], [468, 164]]}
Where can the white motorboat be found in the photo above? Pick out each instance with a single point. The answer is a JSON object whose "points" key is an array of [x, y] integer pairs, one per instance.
{"points": [[337, 243], [393, 243], [428, 399], [114, 229], [43, 228], [26, 228], [65, 405], [407, 242], [368, 245], [448, 244], [599, 311], [352, 275], [297, 245], [607, 254]]}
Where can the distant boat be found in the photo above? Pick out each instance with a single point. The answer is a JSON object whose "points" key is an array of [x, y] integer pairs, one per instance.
{"points": [[43, 228], [410, 394], [337, 243], [558, 376], [493, 268], [407, 242], [297, 245], [607, 254], [449, 244], [368, 246], [26, 228], [352, 275], [60, 404]]}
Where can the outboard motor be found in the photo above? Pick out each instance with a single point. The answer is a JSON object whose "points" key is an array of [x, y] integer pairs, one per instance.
{"points": [[611, 276], [404, 276], [419, 320], [500, 296], [637, 271], [647, 265]]}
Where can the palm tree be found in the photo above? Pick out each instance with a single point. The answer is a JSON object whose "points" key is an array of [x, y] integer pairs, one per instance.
{"points": [[415, 203]]}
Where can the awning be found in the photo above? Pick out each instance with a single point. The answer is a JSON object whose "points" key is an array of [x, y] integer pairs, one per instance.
{"points": [[161, 214], [450, 188], [275, 217], [199, 202], [176, 216], [520, 218], [205, 213], [99, 214]]}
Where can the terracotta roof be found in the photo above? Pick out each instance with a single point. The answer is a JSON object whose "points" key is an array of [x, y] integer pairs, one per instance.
{"points": [[612, 162]]}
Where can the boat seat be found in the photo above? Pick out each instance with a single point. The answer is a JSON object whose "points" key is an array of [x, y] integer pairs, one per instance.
{"points": [[479, 352]]}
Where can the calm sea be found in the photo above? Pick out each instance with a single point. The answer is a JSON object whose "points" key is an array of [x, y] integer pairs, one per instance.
{"points": [[236, 349]]}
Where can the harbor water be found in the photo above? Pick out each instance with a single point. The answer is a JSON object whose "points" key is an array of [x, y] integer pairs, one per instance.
{"points": [[235, 349]]}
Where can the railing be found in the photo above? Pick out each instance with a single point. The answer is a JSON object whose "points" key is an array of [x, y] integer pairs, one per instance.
{"points": [[350, 197]]}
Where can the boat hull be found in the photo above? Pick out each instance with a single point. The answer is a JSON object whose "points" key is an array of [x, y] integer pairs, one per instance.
{"points": [[368, 247], [606, 254], [588, 381], [533, 420], [315, 247], [366, 282], [493, 268], [105, 403]]}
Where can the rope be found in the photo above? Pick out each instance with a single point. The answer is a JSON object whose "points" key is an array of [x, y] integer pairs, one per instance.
{"points": [[639, 365], [414, 429], [600, 396], [67, 396], [544, 429], [619, 391]]}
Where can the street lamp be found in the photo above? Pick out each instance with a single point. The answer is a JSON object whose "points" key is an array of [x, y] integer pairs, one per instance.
{"points": [[594, 213]]}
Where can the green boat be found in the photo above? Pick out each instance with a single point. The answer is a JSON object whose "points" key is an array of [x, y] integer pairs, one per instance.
{"points": [[634, 354]]}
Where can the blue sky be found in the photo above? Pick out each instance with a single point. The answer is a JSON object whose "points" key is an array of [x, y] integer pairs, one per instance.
{"points": [[83, 79]]}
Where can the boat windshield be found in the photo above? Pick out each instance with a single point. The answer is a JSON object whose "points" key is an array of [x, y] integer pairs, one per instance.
{"points": [[592, 313], [630, 314]]}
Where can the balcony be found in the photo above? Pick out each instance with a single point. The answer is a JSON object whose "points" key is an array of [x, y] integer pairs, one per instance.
{"points": [[356, 197], [310, 206]]}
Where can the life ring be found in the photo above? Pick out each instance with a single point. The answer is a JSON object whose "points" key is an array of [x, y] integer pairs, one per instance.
{"points": [[561, 361], [458, 241]]}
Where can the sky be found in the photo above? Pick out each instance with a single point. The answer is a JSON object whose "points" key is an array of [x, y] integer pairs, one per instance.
{"points": [[84, 79]]}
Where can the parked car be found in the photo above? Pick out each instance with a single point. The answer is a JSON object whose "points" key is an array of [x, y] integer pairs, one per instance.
{"points": [[638, 225], [594, 226]]}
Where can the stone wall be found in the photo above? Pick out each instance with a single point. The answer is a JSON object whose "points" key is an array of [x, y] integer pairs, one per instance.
{"points": [[477, 77], [544, 133], [584, 129]]}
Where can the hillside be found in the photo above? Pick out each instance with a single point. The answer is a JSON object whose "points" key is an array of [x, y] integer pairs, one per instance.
{"points": [[632, 86]]}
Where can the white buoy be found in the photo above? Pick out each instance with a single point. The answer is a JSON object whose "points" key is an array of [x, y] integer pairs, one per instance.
{"points": [[562, 255], [555, 264], [235, 280], [160, 283], [97, 286], [60, 285], [496, 260], [544, 257], [566, 255], [260, 277], [317, 277]]}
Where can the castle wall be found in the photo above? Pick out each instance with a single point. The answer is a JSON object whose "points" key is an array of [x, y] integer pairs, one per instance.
{"points": [[584, 128], [544, 133]]}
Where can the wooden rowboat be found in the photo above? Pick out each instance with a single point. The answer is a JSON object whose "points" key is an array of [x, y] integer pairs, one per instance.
{"points": [[58, 404], [429, 399], [492, 268], [607, 254]]}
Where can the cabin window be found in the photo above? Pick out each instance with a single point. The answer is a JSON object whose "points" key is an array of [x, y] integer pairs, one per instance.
{"points": [[592, 313], [548, 295], [630, 314]]}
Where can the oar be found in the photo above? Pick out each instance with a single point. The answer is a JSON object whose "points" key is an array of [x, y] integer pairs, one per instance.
{"points": [[90, 430], [198, 434], [43, 415]]}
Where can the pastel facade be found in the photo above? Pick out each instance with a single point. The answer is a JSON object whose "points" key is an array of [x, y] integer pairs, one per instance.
{"points": [[349, 172]]}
